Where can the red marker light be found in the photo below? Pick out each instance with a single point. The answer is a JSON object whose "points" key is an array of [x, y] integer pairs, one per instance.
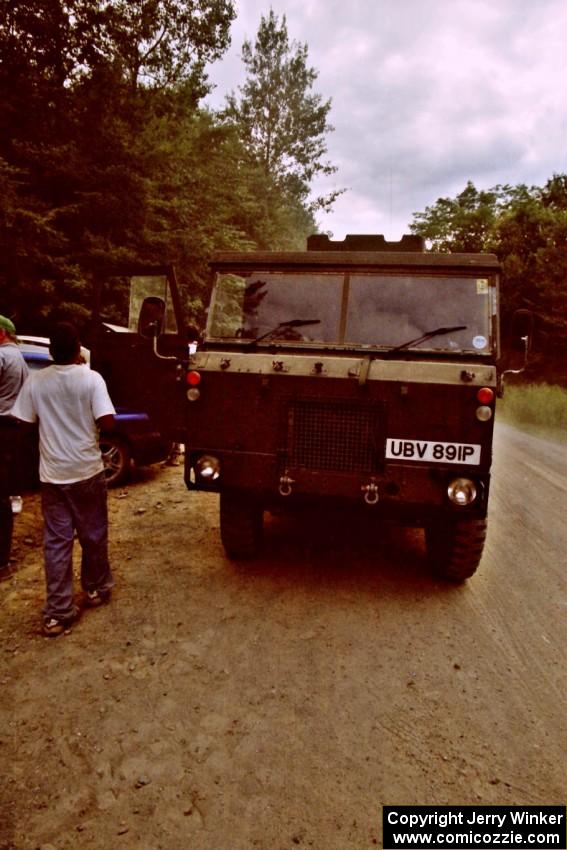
{"points": [[485, 395], [193, 378]]}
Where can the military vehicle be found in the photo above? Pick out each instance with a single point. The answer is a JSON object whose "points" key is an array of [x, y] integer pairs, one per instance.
{"points": [[357, 373]]}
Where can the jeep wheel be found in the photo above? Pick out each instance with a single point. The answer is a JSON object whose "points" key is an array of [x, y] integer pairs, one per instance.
{"points": [[116, 459], [454, 549], [241, 524]]}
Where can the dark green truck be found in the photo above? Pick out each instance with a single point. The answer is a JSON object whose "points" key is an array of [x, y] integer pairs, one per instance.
{"points": [[356, 373]]}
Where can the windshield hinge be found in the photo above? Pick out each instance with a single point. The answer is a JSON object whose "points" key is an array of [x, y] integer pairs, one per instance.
{"points": [[364, 370]]}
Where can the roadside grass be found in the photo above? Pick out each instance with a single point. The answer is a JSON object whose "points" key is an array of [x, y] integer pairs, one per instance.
{"points": [[541, 407]]}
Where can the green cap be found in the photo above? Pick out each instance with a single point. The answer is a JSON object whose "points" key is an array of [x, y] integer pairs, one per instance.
{"points": [[7, 325]]}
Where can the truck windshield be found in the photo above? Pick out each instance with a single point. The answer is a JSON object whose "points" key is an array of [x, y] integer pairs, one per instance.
{"points": [[357, 310]]}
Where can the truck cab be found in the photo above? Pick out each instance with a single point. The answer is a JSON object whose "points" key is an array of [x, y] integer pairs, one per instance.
{"points": [[358, 372]]}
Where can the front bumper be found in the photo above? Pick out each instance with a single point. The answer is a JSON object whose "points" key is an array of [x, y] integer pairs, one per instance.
{"points": [[397, 489]]}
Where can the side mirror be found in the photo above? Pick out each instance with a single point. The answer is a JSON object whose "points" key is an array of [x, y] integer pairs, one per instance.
{"points": [[193, 334], [152, 317], [522, 331], [521, 337]]}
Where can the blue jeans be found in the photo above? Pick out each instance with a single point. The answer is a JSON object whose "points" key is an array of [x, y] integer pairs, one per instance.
{"points": [[80, 507]]}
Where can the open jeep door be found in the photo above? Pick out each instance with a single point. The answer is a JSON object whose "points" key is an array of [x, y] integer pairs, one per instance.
{"points": [[138, 338]]}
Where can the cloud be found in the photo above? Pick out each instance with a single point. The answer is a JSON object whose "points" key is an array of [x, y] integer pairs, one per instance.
{"points": [[426, 96]]}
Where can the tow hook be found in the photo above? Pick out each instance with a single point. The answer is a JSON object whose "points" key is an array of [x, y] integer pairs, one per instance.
{"points": [[370, 491], [285, 485]]}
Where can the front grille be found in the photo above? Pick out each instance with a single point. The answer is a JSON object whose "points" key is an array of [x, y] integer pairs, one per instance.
{"points": [[333, 435]]}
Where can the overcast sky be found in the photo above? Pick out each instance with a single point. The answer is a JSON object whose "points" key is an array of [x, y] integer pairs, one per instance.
{"points": [[426, 94]]}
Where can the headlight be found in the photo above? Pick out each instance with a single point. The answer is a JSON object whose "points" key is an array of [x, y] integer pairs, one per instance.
{"points": [[484, 413], [462, 491], [207, 467]]}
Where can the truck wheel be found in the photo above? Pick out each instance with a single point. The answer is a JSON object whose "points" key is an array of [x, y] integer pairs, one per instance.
{"points": [[116, 458], [454, 549], [241, 524]]}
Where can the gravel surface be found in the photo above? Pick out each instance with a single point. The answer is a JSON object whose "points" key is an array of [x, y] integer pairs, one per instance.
{"points": [[280, 703]]}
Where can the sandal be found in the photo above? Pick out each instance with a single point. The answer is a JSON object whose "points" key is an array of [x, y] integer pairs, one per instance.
{"points": [[53, 626], [97, 597]]}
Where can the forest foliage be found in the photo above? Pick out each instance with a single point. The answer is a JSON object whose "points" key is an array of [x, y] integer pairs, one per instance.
{"points": [[108, 157], [526, 227]]}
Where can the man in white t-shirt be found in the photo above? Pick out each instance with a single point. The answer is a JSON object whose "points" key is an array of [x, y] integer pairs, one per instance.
{"points": [[70, 402]]}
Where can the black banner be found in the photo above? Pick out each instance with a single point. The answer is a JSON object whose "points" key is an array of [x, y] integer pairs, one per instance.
{"points": [[480, 827]]}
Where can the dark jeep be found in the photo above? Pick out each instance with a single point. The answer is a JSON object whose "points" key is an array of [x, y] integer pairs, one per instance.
{"points": [[359, 372]]}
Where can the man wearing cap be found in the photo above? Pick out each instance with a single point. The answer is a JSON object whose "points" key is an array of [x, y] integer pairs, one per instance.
{"points": [[13, 373], [70, 400]]}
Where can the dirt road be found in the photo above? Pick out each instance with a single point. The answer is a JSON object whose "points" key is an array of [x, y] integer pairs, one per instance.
{"points": [[280, 704]]}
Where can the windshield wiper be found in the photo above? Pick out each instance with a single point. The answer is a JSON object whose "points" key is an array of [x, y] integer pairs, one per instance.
{"points": [[293, 323], [428, 335]]}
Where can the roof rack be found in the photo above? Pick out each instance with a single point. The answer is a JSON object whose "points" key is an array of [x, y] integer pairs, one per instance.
{"points": [[364, 242]]}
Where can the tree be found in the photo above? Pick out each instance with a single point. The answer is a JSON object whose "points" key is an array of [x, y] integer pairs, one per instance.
{"points": [[106, 159], [80, 84], [464, 223], [281, 122], [156, 43], [527, 228]]}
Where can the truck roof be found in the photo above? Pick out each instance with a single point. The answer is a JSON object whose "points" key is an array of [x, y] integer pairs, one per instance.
{"points": [[359, 260]]}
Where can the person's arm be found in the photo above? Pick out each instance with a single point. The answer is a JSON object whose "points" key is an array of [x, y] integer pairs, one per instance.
{"points": [[106, 423], [102, 408], [24, 407]]}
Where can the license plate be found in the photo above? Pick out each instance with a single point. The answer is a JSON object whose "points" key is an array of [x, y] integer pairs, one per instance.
{"points": [[430, 452]]}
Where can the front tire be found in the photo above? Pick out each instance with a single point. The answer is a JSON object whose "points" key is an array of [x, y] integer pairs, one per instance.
{"points": [[241, 524], [454, 548], [116, 458]]}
